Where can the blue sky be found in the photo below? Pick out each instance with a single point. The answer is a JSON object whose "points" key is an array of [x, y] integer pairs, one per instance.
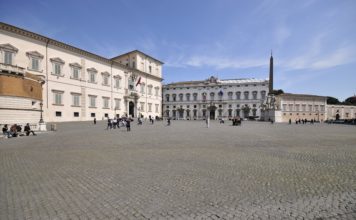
{"points": [[313, 41]]}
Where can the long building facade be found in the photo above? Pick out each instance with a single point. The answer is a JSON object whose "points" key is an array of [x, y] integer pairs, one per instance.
{"points": [[79, 85], [214, 98]]}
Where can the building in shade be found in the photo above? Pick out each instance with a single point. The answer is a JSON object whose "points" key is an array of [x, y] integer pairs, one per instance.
{"points": [[79, 85], [341, 112], [214, 98]]}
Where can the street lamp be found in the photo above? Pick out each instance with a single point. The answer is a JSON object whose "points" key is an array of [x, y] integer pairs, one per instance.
{"points": [[41, 118]]}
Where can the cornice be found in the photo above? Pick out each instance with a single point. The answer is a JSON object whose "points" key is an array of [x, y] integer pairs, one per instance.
{"points": [[32, 35]]}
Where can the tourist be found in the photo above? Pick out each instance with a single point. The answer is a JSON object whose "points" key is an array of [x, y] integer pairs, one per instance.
{"points": [[114, 123], [5, 131], [95, 121], [128, 124], [139, 121], [207, 121], [28, 130], [109, 124], [290, 121], [168, 121], [13, 130]]}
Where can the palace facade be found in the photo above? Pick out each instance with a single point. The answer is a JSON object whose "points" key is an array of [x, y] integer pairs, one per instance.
{"points": [[77, 85], [214, 98]]}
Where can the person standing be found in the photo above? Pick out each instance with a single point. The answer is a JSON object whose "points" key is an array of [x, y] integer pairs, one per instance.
{"points": [[128, 124], [168, 121], [95, 121], [207, 121]]}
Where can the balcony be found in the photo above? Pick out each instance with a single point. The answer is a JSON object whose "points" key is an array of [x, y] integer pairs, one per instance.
{"points": [[10, 69]]}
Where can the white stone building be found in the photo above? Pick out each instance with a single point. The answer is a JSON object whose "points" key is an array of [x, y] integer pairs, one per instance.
{"points": [[79, 85], [287, 106], [344, 112], [214, 98]]}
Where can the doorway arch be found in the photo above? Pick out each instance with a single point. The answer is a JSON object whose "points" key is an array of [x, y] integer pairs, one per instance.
{"points": [[131, 109]]}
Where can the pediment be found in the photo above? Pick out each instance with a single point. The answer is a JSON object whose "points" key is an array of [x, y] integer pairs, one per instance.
{"points": [[34, 54], [92, 69], [8, 47], [105, 73], [57, 60], [77, 65]]}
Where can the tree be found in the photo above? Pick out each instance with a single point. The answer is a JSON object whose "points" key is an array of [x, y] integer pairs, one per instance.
{"points": [[350, 101], [332, 101], [277, 92]]}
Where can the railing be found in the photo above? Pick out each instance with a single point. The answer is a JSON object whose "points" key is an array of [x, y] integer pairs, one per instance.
{"points": [[12, 69]]}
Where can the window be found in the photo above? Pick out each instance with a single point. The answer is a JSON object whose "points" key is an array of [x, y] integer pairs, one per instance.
{"points": [[181, 97], [150, 69], [284, 107], [238, 95], [75, 99], [290, 108], [195, 96], [310, 108], [35, 60], [143, 106], [58, 114], [156, 91], [316, 108], [92, 115], [92, 101], [8, 52], [149, 89], [156, 108], [174, 96], [58, 97], [92, 75], [35, 64], [303, 108], [105, 102], [167, 97], [246, 95], [117, 103], [254, 94], [263, 94], [76, 114], [149, 107], [8, 57], [212, 96], [229, 94], [187, 96], [75, 69], [322, 108], [57, 64], [142, 88], [105, 76], [117, 82], [297, 107]]}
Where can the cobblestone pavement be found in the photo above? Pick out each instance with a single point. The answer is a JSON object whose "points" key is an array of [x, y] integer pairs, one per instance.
{"points": [[184, 171]]}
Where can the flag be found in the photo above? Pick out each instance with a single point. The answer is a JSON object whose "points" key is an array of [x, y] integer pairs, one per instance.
{"points": [[138, 81]]}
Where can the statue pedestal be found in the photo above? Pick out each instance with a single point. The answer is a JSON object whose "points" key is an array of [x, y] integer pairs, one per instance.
{"points": [[42, 126]]}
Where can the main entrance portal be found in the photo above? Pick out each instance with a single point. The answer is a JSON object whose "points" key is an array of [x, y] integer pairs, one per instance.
{"points": [[212, 114], [131, 109]]}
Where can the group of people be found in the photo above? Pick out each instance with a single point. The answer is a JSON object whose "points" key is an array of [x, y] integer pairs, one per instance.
{"points": [[116, 122], [302, 121], [236, 121], [15, 130]]}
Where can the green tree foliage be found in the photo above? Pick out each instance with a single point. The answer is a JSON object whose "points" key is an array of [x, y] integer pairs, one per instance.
{"points": [[332, 101]]}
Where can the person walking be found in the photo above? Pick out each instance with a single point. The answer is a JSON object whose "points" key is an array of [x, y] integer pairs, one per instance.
{"points": [[168, 121], [95, 121], [207, 121]]}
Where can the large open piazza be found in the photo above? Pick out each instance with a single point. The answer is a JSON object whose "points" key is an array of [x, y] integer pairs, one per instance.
{"points": [[183, 171]]}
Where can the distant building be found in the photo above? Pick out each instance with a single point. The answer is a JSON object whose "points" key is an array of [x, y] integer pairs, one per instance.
{"points": [[336, 112], [214, 98], [78, 85], [287, 106]]}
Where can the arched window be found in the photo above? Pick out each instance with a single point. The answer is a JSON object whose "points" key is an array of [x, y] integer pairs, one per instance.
{"points": [[229, 94], [181, 97], [212, 96], [174, 96], [238, 95], [246, 95], [254, 94], [187, 96], [195, 96], [263, 94], [167, 97]]}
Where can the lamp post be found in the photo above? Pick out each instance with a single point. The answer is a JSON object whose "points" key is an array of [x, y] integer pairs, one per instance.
{"points": [[41, 118]]}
